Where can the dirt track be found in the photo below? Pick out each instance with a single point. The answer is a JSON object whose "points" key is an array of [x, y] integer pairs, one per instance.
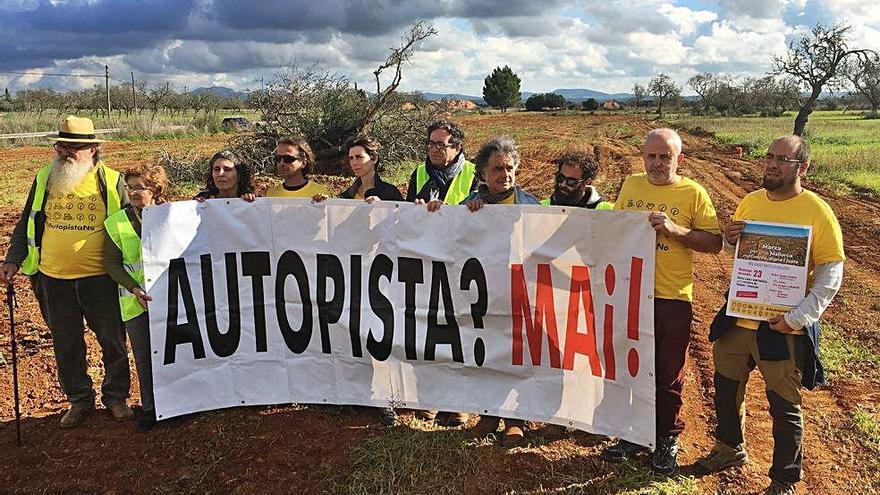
{"points": [[299, 450]]}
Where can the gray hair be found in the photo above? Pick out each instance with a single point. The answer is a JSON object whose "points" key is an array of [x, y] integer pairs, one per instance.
{"points": [[666, 134], [503, 145]]}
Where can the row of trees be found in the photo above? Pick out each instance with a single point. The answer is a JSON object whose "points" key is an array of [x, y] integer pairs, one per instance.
{"points": [[146, 97], [821, 60]]}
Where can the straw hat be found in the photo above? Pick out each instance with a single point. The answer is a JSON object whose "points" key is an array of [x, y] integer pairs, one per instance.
{"points": [[77, 130]]}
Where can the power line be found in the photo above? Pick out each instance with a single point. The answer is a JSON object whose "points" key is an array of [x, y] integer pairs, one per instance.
{"points": [[48, 74]]}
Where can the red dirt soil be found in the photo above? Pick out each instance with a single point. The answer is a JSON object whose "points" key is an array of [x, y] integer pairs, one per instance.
{"points": [[293, 449]]}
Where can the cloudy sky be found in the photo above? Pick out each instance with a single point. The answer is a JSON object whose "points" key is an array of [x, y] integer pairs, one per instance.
{"points": [[605, 45]]}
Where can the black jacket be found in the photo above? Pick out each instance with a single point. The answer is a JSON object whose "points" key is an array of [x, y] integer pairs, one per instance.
{"points": [[381, 189], [772, 346]]}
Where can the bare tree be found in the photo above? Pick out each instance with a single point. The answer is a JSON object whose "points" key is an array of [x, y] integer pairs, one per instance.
{"points": [[706, 87], [418, 32], [815, 61], [157, 98], [639, 94], [664, 90], [864, 75], [328, 109]]}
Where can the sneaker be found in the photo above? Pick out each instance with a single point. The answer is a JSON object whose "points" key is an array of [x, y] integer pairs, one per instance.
{"points": [[721, 458], [453, 419], [621, 451], [387, 416], [120, 411], [427, 415], [146, 421], [75, 415], [665, 459], [513, 436], [780, 488]]}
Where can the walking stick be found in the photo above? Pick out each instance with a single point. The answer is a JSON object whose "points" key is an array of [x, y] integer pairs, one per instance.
{"points": [[10, 302]]}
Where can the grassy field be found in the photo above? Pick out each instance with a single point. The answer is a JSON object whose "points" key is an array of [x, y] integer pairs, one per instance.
{"points": [[845, 146], [134, 127]]}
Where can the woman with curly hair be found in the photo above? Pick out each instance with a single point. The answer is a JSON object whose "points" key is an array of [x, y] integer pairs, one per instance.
{"points": [[146, 186], [227, 177]]}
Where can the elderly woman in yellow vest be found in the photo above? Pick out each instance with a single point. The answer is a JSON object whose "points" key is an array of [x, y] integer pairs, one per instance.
{"points": [[123, 262]]}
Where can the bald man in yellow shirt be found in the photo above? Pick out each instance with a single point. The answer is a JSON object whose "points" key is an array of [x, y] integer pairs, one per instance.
{"points": [[684, 218]]}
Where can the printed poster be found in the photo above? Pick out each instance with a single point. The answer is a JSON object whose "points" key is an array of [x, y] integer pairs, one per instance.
{"points": [[769, 270]]}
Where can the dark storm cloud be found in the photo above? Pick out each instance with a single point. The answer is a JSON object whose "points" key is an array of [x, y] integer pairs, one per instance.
{"points": [[39, 34]]}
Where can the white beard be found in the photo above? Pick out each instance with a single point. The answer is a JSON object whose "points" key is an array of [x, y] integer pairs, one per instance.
{"points": [[66, 174]]}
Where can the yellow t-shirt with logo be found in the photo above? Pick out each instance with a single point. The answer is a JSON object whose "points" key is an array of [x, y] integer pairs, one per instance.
{"points": [[306, 190], [687, 204], [73, 238], [826, 244]]}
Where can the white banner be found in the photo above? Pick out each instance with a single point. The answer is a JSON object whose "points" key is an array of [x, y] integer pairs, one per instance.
{"points": [[528, 312]]}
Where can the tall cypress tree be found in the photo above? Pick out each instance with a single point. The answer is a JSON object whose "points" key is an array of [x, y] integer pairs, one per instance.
{"points": [[501, 88]]}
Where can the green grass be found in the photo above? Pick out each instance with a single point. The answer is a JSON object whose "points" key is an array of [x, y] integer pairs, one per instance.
{"points": [[844, 146], [845, 358], [403, 460], [867, 423]]}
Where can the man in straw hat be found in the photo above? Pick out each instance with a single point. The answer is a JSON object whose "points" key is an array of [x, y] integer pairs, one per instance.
{"points": [[59, 243]]}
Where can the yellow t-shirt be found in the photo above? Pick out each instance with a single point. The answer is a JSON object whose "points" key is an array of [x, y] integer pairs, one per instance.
{"points": [[687, 204], [510, 200], [826, 245], [73, 239], [306, 190]]}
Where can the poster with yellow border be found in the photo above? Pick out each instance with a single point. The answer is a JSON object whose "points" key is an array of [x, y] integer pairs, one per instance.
{"points": [[770, 269]]}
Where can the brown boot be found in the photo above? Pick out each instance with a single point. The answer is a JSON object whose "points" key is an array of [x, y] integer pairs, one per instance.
{"points": [[453, 419], [426, 415], [486, 426], [513, 436], [75, 415], [120, 411], [553, 432]]}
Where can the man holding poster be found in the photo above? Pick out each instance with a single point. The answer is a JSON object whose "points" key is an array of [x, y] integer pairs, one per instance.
{"points": [[785, 347], [684, 219]]}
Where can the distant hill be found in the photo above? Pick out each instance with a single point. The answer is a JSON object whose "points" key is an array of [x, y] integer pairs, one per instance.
{"points": [[454, 96], [220, 91]]}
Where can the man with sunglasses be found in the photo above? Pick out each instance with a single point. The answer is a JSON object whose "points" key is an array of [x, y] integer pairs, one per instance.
{"points": [[445, 175], [59, 243], [295, 160], [575, 171], [685, 221], [786, 348]]}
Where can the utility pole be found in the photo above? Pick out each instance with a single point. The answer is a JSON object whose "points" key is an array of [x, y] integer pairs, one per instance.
{"points": [[134, 102], [107, 87]]}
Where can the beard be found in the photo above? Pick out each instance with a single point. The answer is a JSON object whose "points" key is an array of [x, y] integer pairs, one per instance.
{"points": [[567, 199], [67, 173], [774, 183]]}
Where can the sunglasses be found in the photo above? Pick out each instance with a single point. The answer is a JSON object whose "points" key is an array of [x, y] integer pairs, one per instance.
{"points": [[71, 147], [287, 158], [569, 181]]}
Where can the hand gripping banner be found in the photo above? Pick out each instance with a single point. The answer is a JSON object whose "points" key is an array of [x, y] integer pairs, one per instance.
{"points": [[530, 312]]}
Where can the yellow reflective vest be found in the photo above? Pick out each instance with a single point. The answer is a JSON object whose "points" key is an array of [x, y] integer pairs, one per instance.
{"points": [[458, 189], [107, 178], [122, 233]]}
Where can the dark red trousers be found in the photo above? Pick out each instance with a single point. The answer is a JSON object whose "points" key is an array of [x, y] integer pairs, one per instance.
{"points": [[672, 336]]}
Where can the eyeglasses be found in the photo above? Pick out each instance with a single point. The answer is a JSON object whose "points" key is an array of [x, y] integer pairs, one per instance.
{"points": [[136, 188], [782, 159], [569, 181], [61, 147], [287, 158], [440, 145]]}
